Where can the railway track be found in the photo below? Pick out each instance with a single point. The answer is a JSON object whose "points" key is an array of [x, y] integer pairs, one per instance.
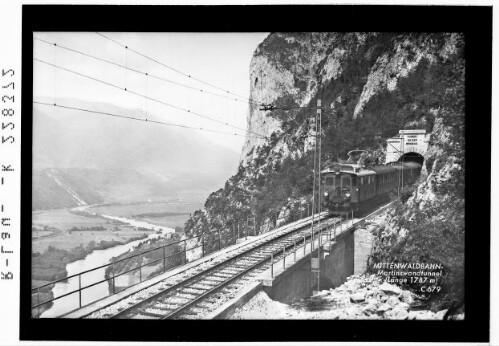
{"points": [[194, 295]]}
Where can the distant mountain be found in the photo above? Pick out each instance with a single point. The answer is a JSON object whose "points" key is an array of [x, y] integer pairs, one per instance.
{"points": [[105, 159]]}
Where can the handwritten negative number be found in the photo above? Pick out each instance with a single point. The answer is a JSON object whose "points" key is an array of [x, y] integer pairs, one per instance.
{"points": [[7, 97], [7, 112]]}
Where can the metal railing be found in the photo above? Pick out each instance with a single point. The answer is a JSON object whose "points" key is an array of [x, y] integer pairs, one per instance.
{"points": [[209, 243], [329, 232]]}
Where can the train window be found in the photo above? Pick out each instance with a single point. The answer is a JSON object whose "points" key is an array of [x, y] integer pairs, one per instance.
{"points": [[346, 181], [361, 181], [354, 181], [330, 181]]}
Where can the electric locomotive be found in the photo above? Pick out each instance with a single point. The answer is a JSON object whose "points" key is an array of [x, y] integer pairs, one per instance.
{"points": [[347, 186]]}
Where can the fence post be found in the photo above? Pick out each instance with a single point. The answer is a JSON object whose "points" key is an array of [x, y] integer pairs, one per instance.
{"points": [[38, 300], [272, 265], [140, 268], [284, 257], [164, 258], [114, 281], [185, 252], [219, 240], [202, 244], [79, 286]]}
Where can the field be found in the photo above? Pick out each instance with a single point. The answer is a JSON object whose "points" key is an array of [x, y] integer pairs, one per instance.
{"points": [[60, 237], [130, 210], [57, 228], [171, 221], [68, 240], [127, 210], [63, 220]]}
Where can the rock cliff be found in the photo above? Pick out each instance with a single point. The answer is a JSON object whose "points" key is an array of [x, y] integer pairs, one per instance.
{"points": [[371, 86]]}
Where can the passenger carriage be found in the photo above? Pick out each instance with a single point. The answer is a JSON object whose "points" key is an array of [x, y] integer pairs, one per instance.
{"points": [[350, 186]]}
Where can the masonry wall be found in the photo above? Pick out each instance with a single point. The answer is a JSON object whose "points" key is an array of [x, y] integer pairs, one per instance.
{"points": [[299, 282], [339, 264], [295, 285], [363, 244]]}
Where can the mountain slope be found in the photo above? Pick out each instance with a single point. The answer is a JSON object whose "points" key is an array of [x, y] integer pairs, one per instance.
{"points": [[109, 159]]}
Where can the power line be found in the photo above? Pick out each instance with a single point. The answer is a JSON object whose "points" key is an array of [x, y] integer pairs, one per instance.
{"points": [[137, 119], [145, 96], [140, 72], [178, 71]]}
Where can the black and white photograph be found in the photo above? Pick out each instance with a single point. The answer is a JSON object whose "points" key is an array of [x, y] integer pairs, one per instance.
{"points": [[257, 171], [327, 183]]}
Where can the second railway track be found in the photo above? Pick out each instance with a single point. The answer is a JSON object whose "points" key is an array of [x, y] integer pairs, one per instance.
{"points": [[190, 297]]}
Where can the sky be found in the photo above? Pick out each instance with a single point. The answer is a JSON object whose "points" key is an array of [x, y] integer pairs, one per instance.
{"points": [[221, 59]]}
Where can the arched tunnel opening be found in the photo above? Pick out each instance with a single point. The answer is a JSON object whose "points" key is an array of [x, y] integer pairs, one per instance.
{"points": [[412, 157]]}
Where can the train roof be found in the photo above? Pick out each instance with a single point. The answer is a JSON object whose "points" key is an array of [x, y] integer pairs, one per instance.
{"points": [[359, 170], [383, 169], [399, 165], [351, 168]]}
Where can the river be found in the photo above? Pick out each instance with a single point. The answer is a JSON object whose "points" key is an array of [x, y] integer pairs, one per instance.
{"points": [[95, 259]]}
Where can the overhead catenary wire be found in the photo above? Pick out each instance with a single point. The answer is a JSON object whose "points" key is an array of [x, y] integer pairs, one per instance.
{"points": [[128, 68], [178, 71], [137, 119], [149, 98]]}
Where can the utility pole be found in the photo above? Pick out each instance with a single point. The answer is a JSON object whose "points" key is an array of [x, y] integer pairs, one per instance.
{"points": [[319, 114], [313, 187], [315, 262], [402, 157]]}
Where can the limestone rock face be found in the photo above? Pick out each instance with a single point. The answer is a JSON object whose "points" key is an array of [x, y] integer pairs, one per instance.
{"points": [[371, 86]]}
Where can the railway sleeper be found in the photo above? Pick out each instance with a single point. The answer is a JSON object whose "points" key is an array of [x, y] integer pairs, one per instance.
{"points": [[241, 266], [187, 316], [175, 300], [141, 316], [221, 276], [211, 281], [166, 306], [193, 290], [231, 271], [194, 311], [186, 295], [154, 312]]}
